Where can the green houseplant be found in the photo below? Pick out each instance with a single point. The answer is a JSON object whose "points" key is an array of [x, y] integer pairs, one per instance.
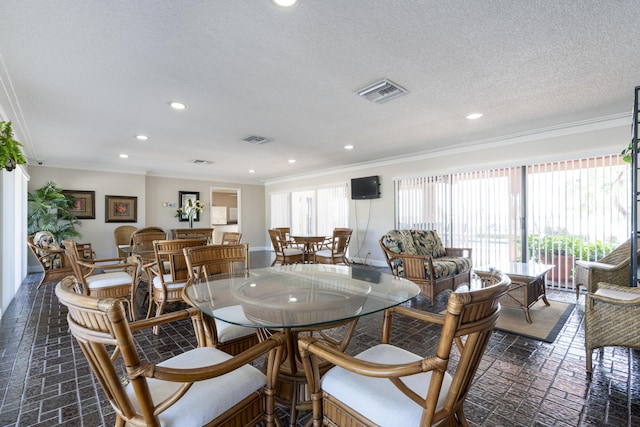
{"points": [[10, 152], [49, 209]]}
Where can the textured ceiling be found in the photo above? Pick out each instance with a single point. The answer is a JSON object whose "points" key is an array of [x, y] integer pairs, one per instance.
{"points": [[80, 78]]}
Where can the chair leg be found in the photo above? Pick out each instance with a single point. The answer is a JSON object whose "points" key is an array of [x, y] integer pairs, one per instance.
{"points": [[159, 308]]}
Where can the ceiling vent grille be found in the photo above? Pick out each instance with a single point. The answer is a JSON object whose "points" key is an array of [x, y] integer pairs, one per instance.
{"points": [[382, 91], [201, 162], [254, 139]]}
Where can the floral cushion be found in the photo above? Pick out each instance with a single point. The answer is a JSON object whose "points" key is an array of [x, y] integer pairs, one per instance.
{"points": [[400, 242], [46, 240], [427, 242]]}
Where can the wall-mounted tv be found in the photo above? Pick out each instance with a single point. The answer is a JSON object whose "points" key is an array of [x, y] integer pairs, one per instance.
{"points": [[365, 188]]}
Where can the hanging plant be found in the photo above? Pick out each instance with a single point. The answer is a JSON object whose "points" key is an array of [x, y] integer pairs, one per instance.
{"points": [[10, 152]]}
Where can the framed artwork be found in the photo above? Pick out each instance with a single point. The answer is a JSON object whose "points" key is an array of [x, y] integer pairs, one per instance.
{"points": [[84, 203], [120, 209], [183, 199]]}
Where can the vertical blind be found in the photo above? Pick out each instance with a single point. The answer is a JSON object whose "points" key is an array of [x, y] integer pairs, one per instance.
{"points": [[576, 207], [311, 212]]}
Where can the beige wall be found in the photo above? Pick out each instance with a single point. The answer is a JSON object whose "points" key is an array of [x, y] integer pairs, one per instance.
{"points": [[370, 219], [152, 193]]}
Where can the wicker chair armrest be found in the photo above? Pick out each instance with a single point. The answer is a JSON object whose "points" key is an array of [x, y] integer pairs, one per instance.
{"points": [[311, 345], [629, 301], [461, 252], [275, 342], [90, 264], [414, 313], [109, 260]]}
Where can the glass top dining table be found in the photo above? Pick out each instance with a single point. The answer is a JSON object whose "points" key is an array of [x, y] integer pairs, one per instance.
{"points": [[300, 295]]}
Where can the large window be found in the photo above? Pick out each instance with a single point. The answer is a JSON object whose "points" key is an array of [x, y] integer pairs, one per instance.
{"points": [[311, 212], [553, 213]]}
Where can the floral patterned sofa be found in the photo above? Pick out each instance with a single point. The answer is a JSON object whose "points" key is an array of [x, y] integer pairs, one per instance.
{"points": [[419, 255]]}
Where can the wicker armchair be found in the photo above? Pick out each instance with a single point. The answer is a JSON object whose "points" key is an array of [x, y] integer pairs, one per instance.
{"points": [[53, 261], [205, 261], [334, 249], [203, 386], [285, 253], [122, 239], [387, 385], [168, 273], [103, 278], [611, 318], [231, 237], [613, 268]]}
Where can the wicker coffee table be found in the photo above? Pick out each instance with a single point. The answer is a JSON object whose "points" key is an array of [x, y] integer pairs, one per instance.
{"points": [[527, 283]]}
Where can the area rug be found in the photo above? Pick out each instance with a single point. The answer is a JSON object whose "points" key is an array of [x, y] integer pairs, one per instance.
{"points": [[547, 321]]}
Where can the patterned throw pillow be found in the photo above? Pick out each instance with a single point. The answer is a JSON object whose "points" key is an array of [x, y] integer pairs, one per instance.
{"points": [[46, 240], [427, 242], [399, 242]]}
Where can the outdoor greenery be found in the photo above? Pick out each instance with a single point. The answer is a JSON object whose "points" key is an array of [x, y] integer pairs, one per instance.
{"points": [[50, 210], [10, 152], [568, 245]]}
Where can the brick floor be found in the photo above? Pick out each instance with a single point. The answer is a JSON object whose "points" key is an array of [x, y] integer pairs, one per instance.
{"points": [[45, 379]]}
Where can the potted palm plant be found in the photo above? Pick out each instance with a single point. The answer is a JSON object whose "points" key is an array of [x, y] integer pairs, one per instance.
{"points": [[49, 209], [10, 152]]}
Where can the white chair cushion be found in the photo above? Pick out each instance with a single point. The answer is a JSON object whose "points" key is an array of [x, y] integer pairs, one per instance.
{"points": [[205, 400], [292, 251], [377, 398], [326, 253], [157, 283], [229, 331], [617, 294], [591, 264], [106, 280]]}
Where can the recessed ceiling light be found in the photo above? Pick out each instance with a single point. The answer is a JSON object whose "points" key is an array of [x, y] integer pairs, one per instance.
{"points": [[474, 116], [292, 160], [285, 3], [348, 147], [142, 137], [252, 171], [124, 156], [178, 105]]}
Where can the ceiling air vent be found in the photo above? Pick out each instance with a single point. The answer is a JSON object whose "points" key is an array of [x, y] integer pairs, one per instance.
{"points": [[254, 139], [201, 162], [382, 91]]}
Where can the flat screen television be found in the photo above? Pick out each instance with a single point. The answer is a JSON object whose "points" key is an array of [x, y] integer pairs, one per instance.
{"points": [[365, 188]]}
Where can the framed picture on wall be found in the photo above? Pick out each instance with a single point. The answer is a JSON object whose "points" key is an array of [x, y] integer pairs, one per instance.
{"points": [[121, 209], [84, 203], [183, 200]]}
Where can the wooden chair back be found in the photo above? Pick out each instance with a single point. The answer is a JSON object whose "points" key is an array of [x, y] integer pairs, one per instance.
{"points": [[468, 322], [107, 341], [231, 237], [142, 243], [203, 261], [170, 258], [122, 237], [334, 250]]}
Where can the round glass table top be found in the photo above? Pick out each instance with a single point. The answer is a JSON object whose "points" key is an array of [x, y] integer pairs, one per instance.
{"points": [[299, 295]]}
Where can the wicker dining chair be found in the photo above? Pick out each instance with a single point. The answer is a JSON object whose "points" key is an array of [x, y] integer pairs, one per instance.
{"points": [[103, 278], [122, 238], [285, 254], [389, 386], [202, 386], [168, 274], [334, 249], [218, 261], [611, 318], [51, 258], [615, 267], [231, 237]]}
